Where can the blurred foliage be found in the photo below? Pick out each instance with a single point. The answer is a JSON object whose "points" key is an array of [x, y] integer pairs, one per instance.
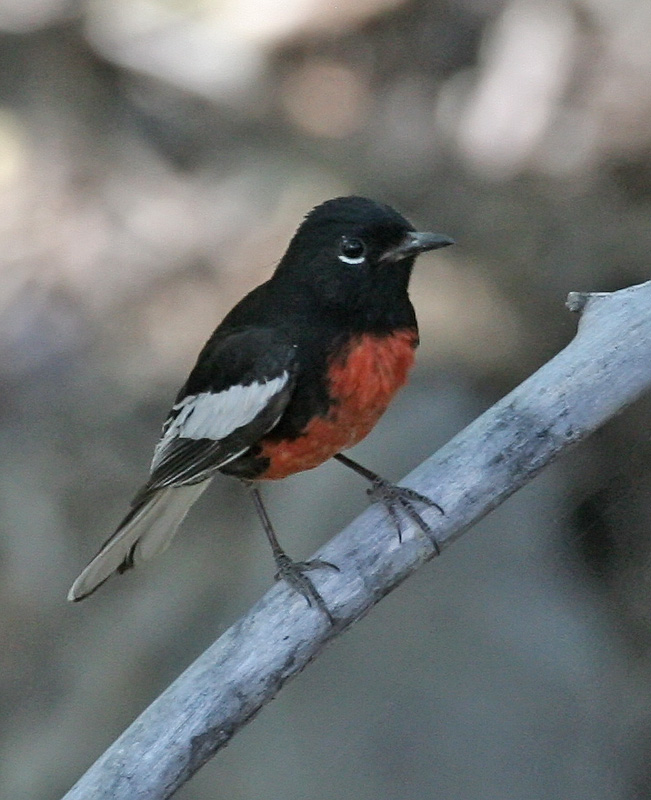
{"points": [[155, 157]]}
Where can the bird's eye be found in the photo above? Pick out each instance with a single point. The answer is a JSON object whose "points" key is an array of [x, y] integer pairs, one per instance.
{"points": [[352, 251]]}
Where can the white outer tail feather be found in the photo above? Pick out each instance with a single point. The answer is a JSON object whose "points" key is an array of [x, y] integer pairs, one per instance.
{"points": [[151, 530]]}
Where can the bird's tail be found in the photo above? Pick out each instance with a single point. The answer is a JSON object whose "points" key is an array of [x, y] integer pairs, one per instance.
{"points": [[146, 530]]}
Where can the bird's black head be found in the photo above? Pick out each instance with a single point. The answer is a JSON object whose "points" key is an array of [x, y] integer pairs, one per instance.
{"points": [[355, 254]]}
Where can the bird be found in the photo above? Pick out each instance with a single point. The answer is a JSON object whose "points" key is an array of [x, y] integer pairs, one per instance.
{"points": [[300, 370]]}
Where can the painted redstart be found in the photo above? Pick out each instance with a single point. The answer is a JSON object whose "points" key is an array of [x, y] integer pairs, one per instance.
{"points": [[301, 369]]}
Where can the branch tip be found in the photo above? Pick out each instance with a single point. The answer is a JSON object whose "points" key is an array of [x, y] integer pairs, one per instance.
{"points": [[576, 301]]}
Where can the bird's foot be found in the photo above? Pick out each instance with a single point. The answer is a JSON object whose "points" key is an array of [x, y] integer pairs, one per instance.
{"points": [[400, 499], [293, 573]]}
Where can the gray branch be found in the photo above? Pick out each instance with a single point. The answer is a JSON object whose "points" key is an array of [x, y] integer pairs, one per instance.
{"points": [[604, 369]]}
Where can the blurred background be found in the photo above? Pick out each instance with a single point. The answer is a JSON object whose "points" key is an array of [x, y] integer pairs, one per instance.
{"points": [[155, 157]]}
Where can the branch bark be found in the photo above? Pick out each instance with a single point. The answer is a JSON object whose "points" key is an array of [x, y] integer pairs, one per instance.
{"points": [[604, 369]]}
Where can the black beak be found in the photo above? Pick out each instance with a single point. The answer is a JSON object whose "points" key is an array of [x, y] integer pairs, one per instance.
{"points": [[415, 243]]}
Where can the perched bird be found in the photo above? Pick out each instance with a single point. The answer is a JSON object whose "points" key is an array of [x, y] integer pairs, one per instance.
{"points": [[301, 369]]}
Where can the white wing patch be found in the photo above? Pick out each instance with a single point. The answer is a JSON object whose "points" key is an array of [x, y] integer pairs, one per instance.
{"points": [[214, 416]]}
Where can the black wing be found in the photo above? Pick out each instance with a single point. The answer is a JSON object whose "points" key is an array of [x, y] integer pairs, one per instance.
{"points": [[235, 394]]}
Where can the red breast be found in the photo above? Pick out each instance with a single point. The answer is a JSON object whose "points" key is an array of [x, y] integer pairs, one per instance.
{"points": [[363, 379]]}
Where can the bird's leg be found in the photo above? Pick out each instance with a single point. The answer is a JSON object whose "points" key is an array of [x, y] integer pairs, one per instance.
{"points": [[292, 572], [395, 499]]}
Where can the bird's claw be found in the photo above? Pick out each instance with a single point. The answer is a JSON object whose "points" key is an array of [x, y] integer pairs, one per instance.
{"points": [[400, 498], [293, 573]]}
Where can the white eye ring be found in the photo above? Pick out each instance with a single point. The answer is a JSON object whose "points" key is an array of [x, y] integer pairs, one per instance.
{"points": [[347, 260], [352, 251]]}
